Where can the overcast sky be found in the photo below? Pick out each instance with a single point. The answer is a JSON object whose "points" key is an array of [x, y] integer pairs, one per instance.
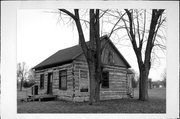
{"points": [[39, 35]]}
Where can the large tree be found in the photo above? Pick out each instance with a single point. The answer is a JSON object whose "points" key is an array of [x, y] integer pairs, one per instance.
{"points": [[136, 33], [91, 52], [143, 40]]}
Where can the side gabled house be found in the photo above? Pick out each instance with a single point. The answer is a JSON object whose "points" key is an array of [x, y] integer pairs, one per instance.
{"points": [[66, 74]]}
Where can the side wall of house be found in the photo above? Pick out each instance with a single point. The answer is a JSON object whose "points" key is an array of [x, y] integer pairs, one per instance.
{"points": [[62, 94], [81, 77], [118, 83]]}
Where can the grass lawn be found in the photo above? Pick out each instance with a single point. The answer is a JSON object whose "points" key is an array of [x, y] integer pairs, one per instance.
{"points": [[155, 104]]}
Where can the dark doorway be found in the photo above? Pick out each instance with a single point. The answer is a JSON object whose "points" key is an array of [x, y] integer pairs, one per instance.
{"points": [[34, 90], [49, 83]]}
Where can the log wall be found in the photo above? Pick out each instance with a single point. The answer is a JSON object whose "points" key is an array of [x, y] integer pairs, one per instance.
{"points": [[78, 82], [118, 83], [81, 76], [62, 94]]}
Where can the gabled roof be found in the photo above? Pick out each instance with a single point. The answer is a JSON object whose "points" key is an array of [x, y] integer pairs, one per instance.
{"points": [[68, 55], [61, 57], [118, 52]]}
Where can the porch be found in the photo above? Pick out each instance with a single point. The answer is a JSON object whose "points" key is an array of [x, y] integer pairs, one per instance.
{"points": [[42, 97]]}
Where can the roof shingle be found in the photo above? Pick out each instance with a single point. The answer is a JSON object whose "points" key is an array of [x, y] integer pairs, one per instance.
{"points": [[62, 56]]}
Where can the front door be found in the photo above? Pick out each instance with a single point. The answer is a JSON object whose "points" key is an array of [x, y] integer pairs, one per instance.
{"points": [[49, 83]]}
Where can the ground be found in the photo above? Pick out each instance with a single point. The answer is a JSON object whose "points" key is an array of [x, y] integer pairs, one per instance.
{"points": [[155, 104]]}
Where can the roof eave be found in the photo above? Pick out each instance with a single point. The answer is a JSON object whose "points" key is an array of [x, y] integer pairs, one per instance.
{"points": [[52, 65]]}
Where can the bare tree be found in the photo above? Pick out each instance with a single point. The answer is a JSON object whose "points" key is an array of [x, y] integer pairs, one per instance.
{"points": [[31, 75], [91, 52], [22, 72], [164, 78], [143, 41], [139, 42], [145, 31]]}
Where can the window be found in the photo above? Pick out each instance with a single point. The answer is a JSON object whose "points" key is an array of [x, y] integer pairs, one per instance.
{"points": [[84, 89], [63, 79], [42, 81], [105, 81]]}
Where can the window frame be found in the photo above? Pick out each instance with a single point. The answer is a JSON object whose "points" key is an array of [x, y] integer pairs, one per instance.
{"points": [[103, 81], [60, 81], [41, 85]]}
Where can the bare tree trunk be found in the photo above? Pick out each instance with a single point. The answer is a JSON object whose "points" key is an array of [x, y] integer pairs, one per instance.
{"points": [[144, 66], [21, 85], [92, 77], [143, 84], [92, 53], [98, 57], [95, 57]]}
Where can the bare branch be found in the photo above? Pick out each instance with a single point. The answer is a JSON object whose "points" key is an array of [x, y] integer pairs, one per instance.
{"points": [[138, 32], [104, 12], [68, 13], [133, 40], [144, 25], [154, 22], [127, 30], [130, 24], [159, 25], [112, 30]]}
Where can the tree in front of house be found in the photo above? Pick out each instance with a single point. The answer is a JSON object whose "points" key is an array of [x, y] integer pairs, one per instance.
{"points": [[91, 52], [146, 34], [22, 73], [143, 31], [144, 40]]}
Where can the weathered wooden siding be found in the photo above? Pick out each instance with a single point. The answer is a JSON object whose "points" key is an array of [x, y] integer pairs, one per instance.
{"points": [[81, 77], [116, 59], [78, 80], [117, 83], [62, 94]]}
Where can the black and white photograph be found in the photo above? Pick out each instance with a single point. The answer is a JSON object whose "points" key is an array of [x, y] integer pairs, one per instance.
{"points": [[84, 59]]}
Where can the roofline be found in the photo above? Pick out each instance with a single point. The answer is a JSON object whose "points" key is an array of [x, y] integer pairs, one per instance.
{"points": [[52, 65], [77, 55], [70, 60], [129, 66], [108, 39]]}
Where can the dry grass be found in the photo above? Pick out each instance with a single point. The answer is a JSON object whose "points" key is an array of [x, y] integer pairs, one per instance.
{"points": [[155, 104]]}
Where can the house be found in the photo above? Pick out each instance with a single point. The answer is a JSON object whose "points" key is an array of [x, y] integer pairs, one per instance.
{"points": [[66, 74]]}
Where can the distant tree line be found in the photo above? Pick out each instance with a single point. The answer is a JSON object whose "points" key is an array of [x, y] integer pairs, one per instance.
{"points": [[25, 76], [151, 84]]}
